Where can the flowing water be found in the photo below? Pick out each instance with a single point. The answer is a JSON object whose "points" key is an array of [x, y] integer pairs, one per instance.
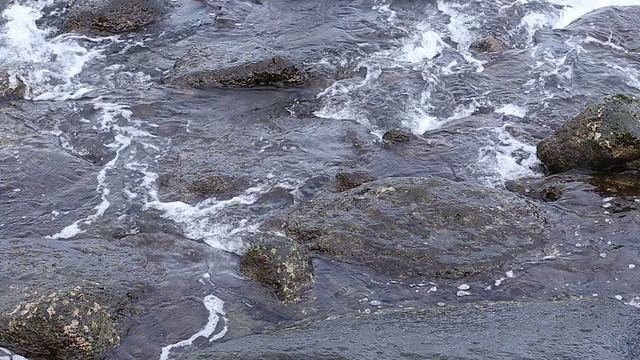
{"points": [[91, 150]]}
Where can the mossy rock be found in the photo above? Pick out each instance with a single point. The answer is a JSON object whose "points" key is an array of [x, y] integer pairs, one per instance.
{"points": [[80, 323], [115, 16], [281, 265], [203, 68], [604, 136]]}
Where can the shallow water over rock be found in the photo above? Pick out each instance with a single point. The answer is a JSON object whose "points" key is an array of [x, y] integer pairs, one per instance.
{"points": [[101, 149]]}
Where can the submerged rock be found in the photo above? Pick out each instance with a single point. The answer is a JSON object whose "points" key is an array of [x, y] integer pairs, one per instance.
{"points": [[201, 67], [349, 180], [489, 44], [281, 265], [397, 136], [417, 226], [114, 16], [603, 136], [573, 329]]}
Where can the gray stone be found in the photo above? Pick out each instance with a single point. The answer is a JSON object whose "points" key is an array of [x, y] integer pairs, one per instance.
{"points": [[11, 87], [418, 226]]}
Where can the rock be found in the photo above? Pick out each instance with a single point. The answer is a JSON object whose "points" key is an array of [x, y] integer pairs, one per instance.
{"points": [[113, 16], [417, 226], [489, 44], [87, 146], [546, 190], [603, 136], [349, 180], [79, 323], [66, 300], [570, 329], [11, 87], [281, 265], [397, 136], [202, 68], [77, 299], [615, 24]]}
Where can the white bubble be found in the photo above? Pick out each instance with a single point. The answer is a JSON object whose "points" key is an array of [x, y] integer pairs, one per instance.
{"points": [[603, 255], [632, 266], [463, 293], [375, 303], [464, 287], [510, 274], [618, 297]]}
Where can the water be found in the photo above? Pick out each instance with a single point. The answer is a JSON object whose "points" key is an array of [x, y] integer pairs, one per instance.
{"points": [[131, 144]]}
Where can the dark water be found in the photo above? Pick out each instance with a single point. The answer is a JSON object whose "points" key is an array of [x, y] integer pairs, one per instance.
{"points": [[101, 148]]}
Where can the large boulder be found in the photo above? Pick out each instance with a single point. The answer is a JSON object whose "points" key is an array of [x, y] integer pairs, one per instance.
{"points": [[114, 16], [573, 329], [418, 226], [281, 265], [603, 136], [202, 67]]}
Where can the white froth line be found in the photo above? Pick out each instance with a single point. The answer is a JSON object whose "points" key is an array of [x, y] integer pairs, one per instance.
{"points": [[215, 306]]}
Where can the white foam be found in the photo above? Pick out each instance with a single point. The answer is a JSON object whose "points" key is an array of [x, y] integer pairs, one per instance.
{"points": [[513, 110], [507, 158], [424, 45], [47, 66], [206, 221], [215, 306]]}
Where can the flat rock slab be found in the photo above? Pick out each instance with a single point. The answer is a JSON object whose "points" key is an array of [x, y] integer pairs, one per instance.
{"points": [[419, 226], [576, 329]]}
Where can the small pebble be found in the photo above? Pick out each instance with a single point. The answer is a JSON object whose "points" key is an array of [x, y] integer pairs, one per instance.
{"points": [[632, 266], [464, 287], [618, 297]]}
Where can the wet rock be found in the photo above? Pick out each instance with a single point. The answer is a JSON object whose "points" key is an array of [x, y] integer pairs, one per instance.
{"points": [[87, 146], [568, 329], [397, 136], [489, 44], [201, 67], [281, 265], [66, 300], [86, 298], [539, 189], [11, 87], [603, 136], [614, 24], [349, 180], [79, 323], [114, 16], [417, 226]]}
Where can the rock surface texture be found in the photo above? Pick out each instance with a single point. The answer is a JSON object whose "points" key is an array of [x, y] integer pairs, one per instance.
{"points": [[202, 67], [114, 16], [418, 226]]}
